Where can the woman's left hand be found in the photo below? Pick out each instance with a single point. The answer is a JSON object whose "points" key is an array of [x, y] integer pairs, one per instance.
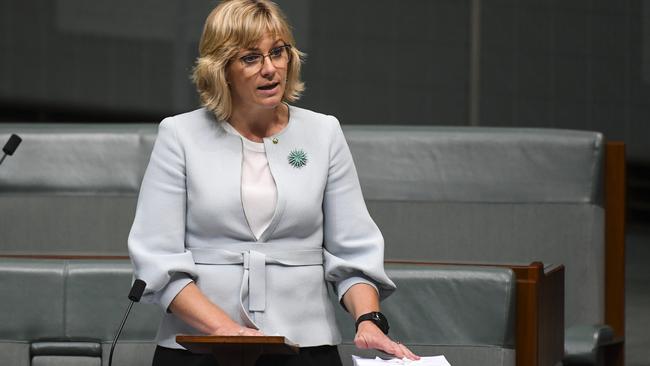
{"points": [[370, 336]]}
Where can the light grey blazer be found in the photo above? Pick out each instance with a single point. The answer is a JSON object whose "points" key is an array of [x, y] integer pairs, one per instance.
{"points": [[190, 225]]}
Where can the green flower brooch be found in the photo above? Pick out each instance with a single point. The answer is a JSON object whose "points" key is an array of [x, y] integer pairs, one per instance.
{"points": [[297, 158]]}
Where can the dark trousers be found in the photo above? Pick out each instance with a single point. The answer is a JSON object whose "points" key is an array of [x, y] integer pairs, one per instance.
{"points": [[308, 356]]}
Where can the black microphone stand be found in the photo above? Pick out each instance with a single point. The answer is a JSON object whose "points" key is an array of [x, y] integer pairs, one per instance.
{"points": [[134, 295]]}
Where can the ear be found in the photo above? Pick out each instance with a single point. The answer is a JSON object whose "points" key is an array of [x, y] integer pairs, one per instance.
{"points": [[226, 74]]}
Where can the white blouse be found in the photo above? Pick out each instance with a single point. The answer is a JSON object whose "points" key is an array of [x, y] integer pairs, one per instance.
{"points": [[258, 191]]}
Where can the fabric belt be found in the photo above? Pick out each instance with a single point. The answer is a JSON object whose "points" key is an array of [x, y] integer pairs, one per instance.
{"points": [[254, 262]]}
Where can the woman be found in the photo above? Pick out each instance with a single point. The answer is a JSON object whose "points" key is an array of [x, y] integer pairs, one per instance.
{"points": [[249, 206]]}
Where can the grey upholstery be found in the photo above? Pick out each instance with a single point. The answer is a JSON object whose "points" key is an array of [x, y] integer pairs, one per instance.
{"points": [[65, 361], [78, 158], [71, 348], [15, 353], [585, 344], [72, 189], [490, 195], [100, 287], [33, 293], [474, 232], [466, 313], [463, 194], [59, 312], [49, 353], [445, 164]]}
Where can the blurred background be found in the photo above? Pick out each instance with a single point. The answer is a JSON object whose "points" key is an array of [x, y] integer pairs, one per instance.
{"points": [[578, 64]]}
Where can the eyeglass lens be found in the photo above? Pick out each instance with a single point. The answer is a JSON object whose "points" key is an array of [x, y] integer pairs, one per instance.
{"points": [[279, 57]]}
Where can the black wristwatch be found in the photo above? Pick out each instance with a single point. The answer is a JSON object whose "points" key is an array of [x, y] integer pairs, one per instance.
{"points": [[377, 318]]}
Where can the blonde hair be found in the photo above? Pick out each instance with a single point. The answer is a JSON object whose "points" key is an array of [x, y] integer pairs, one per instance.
{"points": [[231, 26]]}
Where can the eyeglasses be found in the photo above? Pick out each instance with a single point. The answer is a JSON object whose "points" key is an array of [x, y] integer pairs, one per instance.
{"points": [[279, 57]]}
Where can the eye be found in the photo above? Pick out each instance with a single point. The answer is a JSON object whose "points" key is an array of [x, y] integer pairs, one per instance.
{"points": [[251, 59], [277, 52]]}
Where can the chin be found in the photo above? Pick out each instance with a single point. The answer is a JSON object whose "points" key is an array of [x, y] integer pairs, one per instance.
{"points": [[269, 103]]}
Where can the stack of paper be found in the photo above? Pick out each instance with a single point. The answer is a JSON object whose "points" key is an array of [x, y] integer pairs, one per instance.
{"points": [[423, 361]]}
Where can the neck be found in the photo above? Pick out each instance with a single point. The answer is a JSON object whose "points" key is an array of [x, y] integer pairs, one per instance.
{"points": [[255, 124]]}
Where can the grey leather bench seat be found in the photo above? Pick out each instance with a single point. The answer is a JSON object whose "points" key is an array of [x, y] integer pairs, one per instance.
{"points": [[466, 313], [487, 195], [66, 312]]}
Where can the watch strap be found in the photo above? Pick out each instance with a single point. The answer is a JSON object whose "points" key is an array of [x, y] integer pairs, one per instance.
{"points": [[376, 317]]}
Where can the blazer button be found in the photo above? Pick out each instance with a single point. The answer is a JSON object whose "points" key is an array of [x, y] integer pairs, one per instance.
{"points": [[275, 140]]}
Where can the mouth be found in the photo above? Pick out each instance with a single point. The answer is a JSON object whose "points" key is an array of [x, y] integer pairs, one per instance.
{"points": [[268, 86]]}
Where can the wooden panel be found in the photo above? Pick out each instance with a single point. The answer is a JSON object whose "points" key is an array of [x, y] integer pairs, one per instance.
{"points": [[551, 317], [615, 180], [527, 310]]}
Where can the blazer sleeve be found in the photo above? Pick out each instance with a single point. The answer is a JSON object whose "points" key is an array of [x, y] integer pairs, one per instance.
{"points": [[157, 239], [354, 246]]}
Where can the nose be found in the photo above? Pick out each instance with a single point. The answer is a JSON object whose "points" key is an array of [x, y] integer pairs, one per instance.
{"points": [[268, 69]]}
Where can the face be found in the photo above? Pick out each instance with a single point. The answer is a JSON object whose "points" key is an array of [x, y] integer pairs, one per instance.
{"points": [[257, 75]]}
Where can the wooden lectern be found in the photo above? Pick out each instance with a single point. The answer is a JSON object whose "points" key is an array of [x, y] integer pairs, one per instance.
{"points": [[237, 350]]}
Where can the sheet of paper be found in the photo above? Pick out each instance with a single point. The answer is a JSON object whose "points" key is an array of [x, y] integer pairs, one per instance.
{"points": [[423, 361]]}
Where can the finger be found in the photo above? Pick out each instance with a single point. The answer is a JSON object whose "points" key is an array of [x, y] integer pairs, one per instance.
{"points": [[244, 331], [407, 352], [253, 332], [397, 350]]}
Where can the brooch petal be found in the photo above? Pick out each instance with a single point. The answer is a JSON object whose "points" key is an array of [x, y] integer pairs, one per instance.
{"points": [[297, 158]]}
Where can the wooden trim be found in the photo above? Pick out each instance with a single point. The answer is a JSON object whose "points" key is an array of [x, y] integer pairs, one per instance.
{"points": [[615, 237], [550, 318], [615, 196], [527, 310]]}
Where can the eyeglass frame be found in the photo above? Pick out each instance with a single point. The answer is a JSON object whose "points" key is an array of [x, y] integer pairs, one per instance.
{"points": [[286, 47]]}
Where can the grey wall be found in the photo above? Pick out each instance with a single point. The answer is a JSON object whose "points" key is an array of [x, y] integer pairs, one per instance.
{"points": [[388, 62], [549, 63], [569, 64]]}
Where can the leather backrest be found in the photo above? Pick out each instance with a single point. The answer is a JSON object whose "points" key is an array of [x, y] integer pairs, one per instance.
{"points": [[32, 299], [447, 305], [458, 194], [477, 164], [413, 163], [70, 300]]}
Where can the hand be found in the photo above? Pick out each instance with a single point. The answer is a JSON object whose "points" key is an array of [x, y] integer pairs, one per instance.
{"points": [[370, 336], [234, 329]]}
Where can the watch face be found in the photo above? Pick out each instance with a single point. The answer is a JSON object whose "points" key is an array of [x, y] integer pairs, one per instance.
{"points": [[380, 321]]}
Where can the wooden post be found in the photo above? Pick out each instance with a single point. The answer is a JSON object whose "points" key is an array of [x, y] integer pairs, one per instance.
{"points": [[614, 181]]}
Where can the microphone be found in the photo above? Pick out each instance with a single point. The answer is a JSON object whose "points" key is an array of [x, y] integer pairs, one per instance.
{"points": [[10, 146], [134, 295]]}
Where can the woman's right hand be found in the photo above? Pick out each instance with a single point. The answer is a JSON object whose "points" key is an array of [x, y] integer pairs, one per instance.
{"points": [[191, 305], [234, 329]]}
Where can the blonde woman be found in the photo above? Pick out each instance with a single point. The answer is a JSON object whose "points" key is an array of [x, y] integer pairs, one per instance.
{"points": [[250, 206]]}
